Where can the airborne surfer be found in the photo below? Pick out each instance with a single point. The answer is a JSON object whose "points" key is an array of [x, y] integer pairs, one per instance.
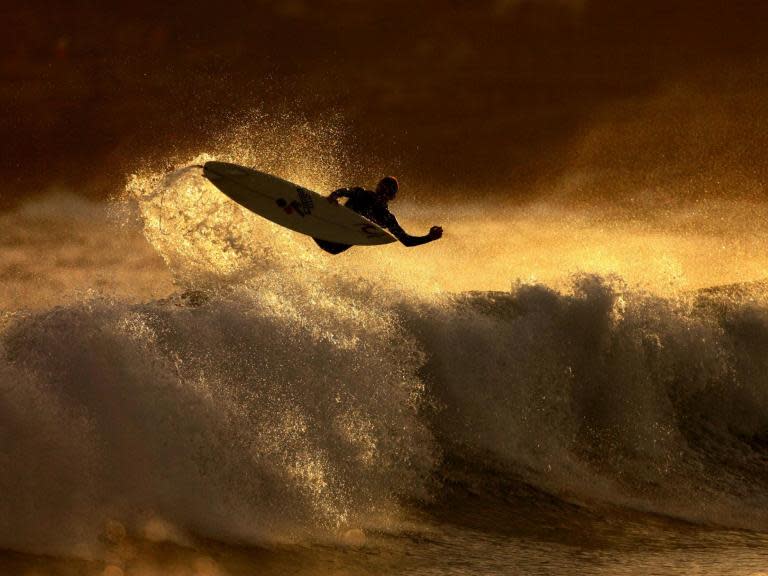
{"points": [[374, 205], [334, 228]]}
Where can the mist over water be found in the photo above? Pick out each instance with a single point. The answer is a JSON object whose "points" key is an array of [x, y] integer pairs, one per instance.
{"points": [[178, 368]]}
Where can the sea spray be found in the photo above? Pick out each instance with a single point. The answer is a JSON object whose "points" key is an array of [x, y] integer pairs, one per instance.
{"points": [[604, 395], [239, 419]]}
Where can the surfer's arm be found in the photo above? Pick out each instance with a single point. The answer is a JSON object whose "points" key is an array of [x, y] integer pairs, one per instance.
{"points": [[405, 238]]}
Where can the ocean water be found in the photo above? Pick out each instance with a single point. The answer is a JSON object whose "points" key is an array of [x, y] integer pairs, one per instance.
{"points": [[188, 389]]}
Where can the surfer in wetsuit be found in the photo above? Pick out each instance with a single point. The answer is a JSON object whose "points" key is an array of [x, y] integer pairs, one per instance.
{"points": [[374, 205]]}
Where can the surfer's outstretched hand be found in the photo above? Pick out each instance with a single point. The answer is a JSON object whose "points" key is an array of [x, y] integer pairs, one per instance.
{"points": [[436, 232]]}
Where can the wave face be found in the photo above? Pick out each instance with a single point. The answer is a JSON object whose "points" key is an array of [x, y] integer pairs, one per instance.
{"points": [[279, 397], [607, 396], [242, 419], [246, 417]]}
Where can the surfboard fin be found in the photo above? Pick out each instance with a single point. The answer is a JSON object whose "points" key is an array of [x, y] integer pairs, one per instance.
{"points": [[331, 247]]}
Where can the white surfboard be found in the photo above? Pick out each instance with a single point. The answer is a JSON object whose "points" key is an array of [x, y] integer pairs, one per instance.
{"points": [[293, 206]]}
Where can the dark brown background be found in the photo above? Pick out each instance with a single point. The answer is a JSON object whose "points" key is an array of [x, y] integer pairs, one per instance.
{"points": [[488, 96]]}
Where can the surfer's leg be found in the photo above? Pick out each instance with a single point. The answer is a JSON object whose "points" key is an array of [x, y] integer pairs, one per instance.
{"points": [[331, 247]]}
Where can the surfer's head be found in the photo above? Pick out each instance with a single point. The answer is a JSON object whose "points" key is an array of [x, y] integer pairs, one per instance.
{"points": [[387, 187]]}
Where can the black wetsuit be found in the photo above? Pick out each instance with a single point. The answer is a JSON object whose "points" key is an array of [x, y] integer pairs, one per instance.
{"points": [[369, 204]]}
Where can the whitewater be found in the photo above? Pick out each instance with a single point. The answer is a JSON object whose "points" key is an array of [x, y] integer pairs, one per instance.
{"points": [[186, 388]]}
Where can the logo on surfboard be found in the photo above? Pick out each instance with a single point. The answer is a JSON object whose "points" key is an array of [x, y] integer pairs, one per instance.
{"points": [[303, 206], [306, 199]]}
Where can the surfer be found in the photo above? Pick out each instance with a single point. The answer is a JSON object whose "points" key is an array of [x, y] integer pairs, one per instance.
{"points": [[374, 205]]}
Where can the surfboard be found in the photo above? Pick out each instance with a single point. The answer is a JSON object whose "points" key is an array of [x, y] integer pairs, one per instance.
{"points": [[293, 206]]}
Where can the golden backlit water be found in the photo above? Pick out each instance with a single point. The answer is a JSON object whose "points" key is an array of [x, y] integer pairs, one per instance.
{"points": [[419, 411], [574, 380]]}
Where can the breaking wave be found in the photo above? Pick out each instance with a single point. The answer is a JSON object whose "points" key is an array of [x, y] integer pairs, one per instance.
{"points": [[246, 419], [278, 398]]}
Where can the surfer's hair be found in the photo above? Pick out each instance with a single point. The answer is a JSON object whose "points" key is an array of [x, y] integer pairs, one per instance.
{"points": [[388, 183]]}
